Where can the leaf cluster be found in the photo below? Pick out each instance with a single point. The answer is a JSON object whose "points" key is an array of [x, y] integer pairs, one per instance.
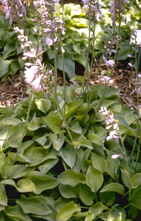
{"points": [[47, 173]]}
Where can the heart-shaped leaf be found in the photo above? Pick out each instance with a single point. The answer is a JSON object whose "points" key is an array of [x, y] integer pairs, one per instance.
{"points": [[67, 211], [71, 178], [94, 179], [114, 187]]}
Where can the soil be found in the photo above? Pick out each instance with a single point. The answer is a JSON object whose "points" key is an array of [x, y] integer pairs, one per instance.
{"points": [[14, 89]]}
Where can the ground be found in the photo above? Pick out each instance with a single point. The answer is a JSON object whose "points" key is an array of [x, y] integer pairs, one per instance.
{"points": [[14, 88]]}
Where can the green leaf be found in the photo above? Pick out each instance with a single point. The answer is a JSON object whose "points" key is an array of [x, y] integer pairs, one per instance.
{"points": [[17, 171], [75, 127], [4, 66], [116, 214], [136, 180], [94, 179], [71, 178], [2, 158], [57, 140], [68, 155], [16, 134], [99, 162], [9, 50], [53, 121], [67, 211], [124, 52], [42, 181], [112, 166], [125, 177], [47, 165], [14, 67], [38, 155], [97, 209], [3, 196], [35, 123], [69, 65], [25, 185], [80, 58], [41, 140], [84, 142], [77, 48], [123, 125], [68, 191], [72, 107], [16, 213], [114, 187], [108, 199], [110, 93], [34, 205], [2, 217], [86, 195], [95, 139], [135, 199], [43, 104], [6, 167], [11, 122]]}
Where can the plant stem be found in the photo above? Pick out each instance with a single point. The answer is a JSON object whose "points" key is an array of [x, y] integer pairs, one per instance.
{"points": [[26, 124]]}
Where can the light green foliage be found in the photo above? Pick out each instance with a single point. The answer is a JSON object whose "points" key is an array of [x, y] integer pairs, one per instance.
{"points": [[55, 177], [57, 165]]}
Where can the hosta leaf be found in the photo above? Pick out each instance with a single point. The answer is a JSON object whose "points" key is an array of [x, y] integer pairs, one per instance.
{"points": [[25, 185], [42, 181], [95, 139], [94, 179], [108, 199], [99, 162], [2, 217], [75, 127], [71, 178], [135, 199], [80, 58], [9, 50], [35, 123], [86, 195], [125, 178], [114, 187], [112, 166], [6, 167], [43, 104], [3, 196], [97, 209], [57, 140], [68, 155], [67, 211], [34, 205], [136, 180], [38, 155], [16, 213], [71, 107], [4, 66], [53, 121], [17, 171], [2, 158], [116, 214], [68, 191], [110, 93], [12, 121], [84, 142], [47, 165], [16, 134], [69, 65]]}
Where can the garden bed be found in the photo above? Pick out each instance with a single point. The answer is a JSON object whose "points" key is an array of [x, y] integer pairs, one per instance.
{"points": [[14, 89]]}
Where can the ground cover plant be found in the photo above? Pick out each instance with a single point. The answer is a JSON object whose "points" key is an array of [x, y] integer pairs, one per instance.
{"points": [[67, 152]]}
